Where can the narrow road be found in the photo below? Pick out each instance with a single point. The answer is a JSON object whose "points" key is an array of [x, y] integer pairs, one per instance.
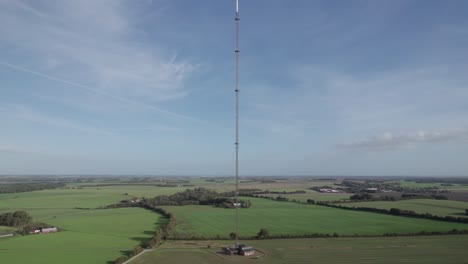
{"points": [[136, 256]]}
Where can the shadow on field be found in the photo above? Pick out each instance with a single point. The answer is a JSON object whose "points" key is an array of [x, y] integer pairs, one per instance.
{"points": [[140, 239], [162, 221], [460, 214], [125, 252]]}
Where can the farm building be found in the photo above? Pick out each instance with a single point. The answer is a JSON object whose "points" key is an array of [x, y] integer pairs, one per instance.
{"points": [[246, 251], [49, 230], [370, 190], [240, 250], [329, 191], [35, 231]]}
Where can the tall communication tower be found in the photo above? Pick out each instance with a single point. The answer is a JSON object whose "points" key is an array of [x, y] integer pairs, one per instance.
{"points": [[237, 120]]}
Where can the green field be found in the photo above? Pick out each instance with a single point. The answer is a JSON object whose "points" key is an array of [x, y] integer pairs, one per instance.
{"points": [[413, 184], [322, 197], [422, 206], [292, 184], [6, 229], [295, 219], [86, 197], [93, 235], [89, 236], [437, 249]]}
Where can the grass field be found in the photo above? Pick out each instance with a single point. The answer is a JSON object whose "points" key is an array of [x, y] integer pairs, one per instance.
{"points": [[6, 229], [292, 184], [303, 197], [413, 184], [434, 207], [98, 236], [437, 249], [89, 236], [295, 219]]}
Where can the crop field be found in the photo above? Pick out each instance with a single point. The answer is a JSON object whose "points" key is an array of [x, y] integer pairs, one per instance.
{"points": [[88, 236], [451, 187], [293, 184], [92, 235], [437, 249], [422, 206], [295, 219], [322, 197], [6, 229]]}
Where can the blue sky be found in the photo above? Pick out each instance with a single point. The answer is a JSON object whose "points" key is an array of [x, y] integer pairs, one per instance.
{"points": [[147, 87]]}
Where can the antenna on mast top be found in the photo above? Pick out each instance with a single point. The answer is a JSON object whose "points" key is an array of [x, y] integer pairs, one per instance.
{"points": [[237, 121]]}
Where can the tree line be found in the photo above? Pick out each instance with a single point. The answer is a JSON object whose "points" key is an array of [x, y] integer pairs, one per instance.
{"points": [[29, 187], [398, 212], [197, 196]]}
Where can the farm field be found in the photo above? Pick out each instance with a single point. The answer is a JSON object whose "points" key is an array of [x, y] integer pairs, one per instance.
{"points": [[295, 219], [88, 236], [422, 206], [291, 184], [83, 197], [451, 187], [6, 229], [322, 197], [435, 249]]}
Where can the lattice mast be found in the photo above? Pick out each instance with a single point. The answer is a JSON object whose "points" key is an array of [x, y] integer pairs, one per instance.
{"points": [[237, 121]]}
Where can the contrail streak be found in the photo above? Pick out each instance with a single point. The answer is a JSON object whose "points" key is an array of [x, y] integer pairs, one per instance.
{"points": [[96, 91]]}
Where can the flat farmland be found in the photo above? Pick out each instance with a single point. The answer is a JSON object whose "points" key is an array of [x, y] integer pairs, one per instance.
{"points": [[434, 249], [451, 187], [282, 218], [322, 197], [422, 206], [88, 236], [288, 185], [6, 229]]}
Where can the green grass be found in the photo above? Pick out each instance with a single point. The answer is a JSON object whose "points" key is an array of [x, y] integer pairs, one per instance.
{"points": [[6, 229], [413, 184], [58, 198], [424, 250], [295, 219], [303, 197], [422, 206], [89, 236]]}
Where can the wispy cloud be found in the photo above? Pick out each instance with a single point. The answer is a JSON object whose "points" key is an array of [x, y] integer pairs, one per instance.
{"points": [[95, 90], [388, 140], [96, 41]]}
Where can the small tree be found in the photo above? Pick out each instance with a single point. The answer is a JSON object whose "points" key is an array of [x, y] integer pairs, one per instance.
{"points": [[232, 235], [263, 233], [466, 211]]}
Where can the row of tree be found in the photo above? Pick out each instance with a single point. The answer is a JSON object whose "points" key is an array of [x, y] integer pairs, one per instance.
{"points": [[399, 212], [197, 196], [364, 197], [29, 187]]}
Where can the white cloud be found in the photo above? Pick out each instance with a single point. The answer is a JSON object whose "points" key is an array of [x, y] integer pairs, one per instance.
{"points": [[389, 140]]}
